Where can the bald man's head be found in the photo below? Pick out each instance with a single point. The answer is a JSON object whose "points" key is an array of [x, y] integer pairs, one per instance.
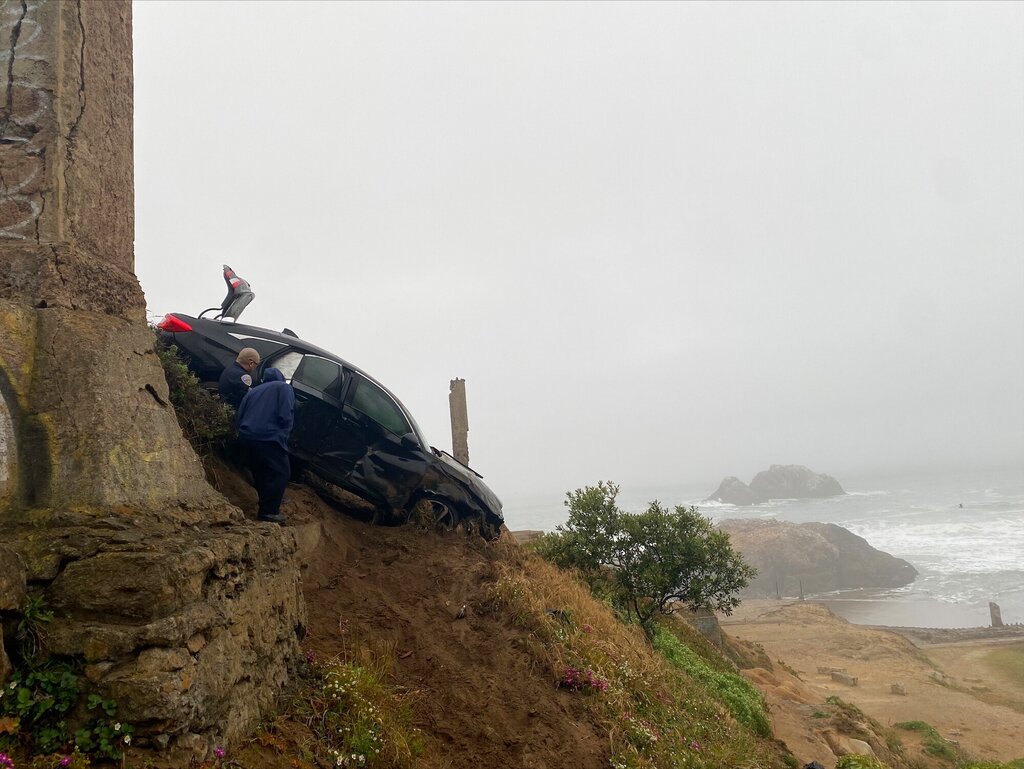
{"points": [[248, 359]]}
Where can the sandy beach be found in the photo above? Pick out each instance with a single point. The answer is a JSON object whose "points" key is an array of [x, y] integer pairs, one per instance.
{"points": [[969, 685]]}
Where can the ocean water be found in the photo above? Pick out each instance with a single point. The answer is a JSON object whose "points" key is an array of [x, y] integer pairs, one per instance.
{"points": [[963, 532]]}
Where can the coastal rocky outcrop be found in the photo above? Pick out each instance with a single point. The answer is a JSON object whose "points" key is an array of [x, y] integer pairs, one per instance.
{"points": [[777, 482], [812, 557]]}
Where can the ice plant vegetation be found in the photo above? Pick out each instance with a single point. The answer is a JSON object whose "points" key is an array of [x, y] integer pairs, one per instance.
{"points": [[585, 680]]}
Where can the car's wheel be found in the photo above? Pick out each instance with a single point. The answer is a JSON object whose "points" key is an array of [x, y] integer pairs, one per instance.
{"points": [[441, 513]]}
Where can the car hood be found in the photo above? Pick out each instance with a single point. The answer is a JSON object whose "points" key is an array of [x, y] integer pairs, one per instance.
{"points": [[472, 479]]}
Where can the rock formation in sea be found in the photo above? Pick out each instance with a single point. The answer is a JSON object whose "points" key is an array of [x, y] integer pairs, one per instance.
{"points": [[777, 482], [817, 557]]}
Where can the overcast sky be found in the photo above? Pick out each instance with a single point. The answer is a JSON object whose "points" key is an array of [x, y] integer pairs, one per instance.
{"points": [[662, 242]]}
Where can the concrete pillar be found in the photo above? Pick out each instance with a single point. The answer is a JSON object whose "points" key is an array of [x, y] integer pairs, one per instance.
{"points": [[84, 416], [995, 614], [183, 612], [460, 420]]}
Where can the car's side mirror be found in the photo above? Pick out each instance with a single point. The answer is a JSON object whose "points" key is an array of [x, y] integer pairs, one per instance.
{"points": [[409, 441]]}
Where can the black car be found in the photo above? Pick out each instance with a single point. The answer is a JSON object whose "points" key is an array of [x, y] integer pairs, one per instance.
{"points": [[349, 429]]}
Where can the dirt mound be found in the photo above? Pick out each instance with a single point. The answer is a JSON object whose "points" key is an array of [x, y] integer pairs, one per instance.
{"points": [[480, 699]]}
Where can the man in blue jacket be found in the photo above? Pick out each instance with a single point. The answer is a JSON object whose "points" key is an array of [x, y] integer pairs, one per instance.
{"points": [[264, 421]]}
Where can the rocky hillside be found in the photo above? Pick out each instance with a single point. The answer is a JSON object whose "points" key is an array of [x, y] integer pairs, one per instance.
{"points": [[819, 556]]}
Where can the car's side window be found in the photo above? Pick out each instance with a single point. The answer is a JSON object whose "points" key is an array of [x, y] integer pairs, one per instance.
{"points": [[380, 407], [319, 374]]}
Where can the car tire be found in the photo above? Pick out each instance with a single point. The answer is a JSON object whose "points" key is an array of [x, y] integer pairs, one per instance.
{"points": [[441, 513]]}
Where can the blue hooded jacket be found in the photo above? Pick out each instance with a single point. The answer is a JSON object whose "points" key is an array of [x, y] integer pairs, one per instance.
{"points": [[267, 411]]}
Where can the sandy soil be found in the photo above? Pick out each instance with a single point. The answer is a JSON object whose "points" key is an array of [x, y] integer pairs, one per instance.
{"points": [[948, 684]]}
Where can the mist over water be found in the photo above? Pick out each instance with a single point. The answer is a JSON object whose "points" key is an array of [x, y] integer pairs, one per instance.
{"points": [[966, 556]]}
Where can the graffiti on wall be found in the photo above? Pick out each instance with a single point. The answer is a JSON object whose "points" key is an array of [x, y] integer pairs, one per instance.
{"points": [[7, 451], [27, 104]]}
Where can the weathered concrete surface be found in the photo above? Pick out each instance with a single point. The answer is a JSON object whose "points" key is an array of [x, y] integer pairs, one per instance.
{"points": [[460, 419], [186, 614]]}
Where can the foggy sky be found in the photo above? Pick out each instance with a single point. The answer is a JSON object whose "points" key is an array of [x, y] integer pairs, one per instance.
{"points": [[661, 242]]}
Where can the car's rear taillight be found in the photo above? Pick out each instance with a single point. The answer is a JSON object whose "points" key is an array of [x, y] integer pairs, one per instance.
{"points": [[173, 323]]}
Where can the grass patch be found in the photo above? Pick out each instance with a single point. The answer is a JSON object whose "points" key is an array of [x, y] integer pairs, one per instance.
{"points": [[933, 743], [657, 714], [1007, 662], [746, 703], [859, 762], [356, 716]]}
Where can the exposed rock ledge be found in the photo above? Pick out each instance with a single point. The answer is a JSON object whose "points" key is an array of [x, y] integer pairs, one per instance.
{"points": [[818, 557], [777, 482]]}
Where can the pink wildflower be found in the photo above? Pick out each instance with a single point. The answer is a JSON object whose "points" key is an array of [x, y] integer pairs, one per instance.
{"points": [[66, 761], [219, 752]]}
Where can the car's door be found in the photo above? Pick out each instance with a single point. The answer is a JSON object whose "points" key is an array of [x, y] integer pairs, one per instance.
{"points": [[318, 384], [393, 461]]}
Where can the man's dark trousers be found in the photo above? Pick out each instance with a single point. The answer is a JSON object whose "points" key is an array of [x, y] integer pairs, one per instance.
{"points": [[268, 461]]}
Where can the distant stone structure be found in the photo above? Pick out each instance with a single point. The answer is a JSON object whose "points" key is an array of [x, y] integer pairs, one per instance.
{"points": [[460, 420], [844, 678], [182, 611], [995, 613], [777, 482]]}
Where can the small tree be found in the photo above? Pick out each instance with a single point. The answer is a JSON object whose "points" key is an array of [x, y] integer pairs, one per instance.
{"points": [[645, 562]]}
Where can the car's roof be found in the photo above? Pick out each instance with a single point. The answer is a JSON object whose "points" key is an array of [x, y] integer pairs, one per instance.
{"points": [[289, 340]]}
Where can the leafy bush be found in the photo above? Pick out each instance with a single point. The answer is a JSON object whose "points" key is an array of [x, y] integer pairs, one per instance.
{"points": [[643, 563], [42, 700], [205, 420], [746, 703]]}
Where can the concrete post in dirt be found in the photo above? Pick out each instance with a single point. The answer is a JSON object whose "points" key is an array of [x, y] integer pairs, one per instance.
{"points": [[995, 614], [182, 611], [460, 419]]}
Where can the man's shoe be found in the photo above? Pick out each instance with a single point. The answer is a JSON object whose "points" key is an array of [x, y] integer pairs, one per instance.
{"points": [[271, 518]]}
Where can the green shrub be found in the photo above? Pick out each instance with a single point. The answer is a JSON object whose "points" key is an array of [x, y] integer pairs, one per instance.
{"points": [[42, 699], [647, 562], [205, 420]]}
